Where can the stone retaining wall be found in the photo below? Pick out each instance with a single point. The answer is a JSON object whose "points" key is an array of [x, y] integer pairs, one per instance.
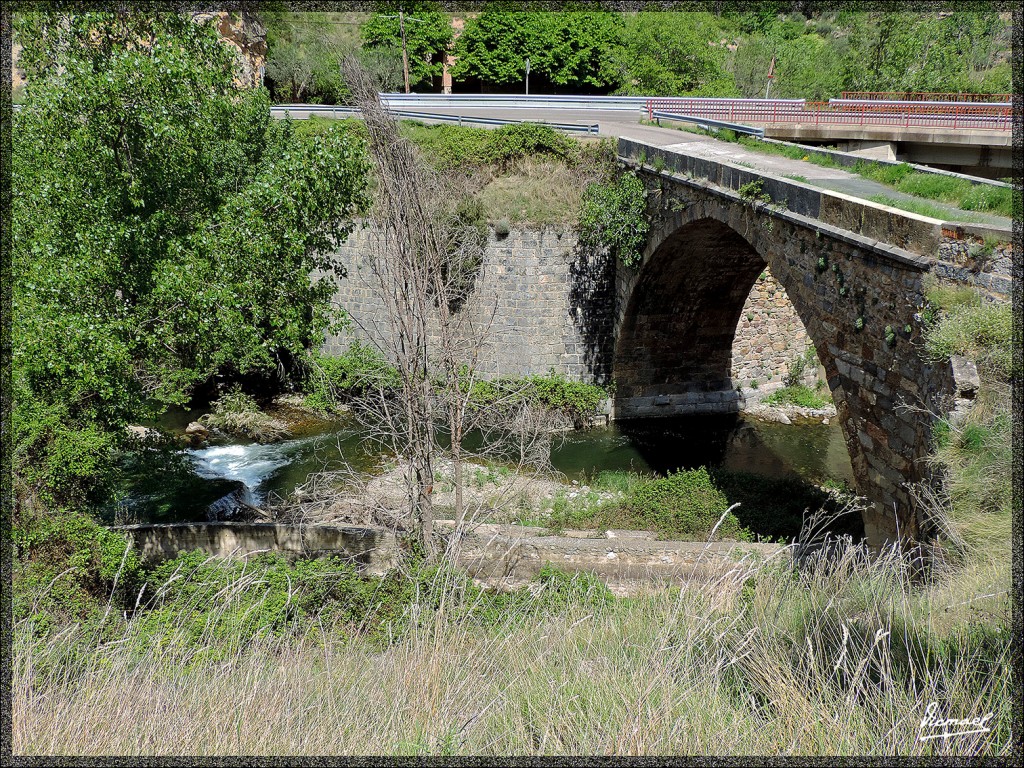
{"points": [[526, 280], [502, 556], [371, 550], [968, 261], [769, 337]]}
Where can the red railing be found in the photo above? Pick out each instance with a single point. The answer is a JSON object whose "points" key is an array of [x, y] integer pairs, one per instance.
{"points": [[922, 96], [918, 115]]}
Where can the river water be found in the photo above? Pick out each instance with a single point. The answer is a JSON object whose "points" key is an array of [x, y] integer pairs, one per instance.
{"points": [[813, 452]]}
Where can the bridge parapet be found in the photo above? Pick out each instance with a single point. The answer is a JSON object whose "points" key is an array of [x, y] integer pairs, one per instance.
{"points": [[896, 233]]}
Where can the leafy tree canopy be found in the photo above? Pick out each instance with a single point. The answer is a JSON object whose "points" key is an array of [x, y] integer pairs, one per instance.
{"points": [[164, 230], [567, 49], [676, 54]]}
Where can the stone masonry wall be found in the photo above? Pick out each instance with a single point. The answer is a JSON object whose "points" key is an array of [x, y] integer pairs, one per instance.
{"points": [[969, 261], [554, 311], [525, 279], [769, 336]]}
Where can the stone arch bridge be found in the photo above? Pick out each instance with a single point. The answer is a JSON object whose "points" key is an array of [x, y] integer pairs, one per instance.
{"points": [[858, 296], [663, 330]]}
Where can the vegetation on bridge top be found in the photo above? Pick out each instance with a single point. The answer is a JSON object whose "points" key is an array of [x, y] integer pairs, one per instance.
{"points": [[959, 193]]}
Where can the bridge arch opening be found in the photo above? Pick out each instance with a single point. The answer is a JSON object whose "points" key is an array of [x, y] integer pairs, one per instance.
{"points": [[705, 318]]}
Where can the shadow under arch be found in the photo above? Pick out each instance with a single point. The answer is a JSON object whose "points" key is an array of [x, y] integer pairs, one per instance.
{"points": [[674, 348]]}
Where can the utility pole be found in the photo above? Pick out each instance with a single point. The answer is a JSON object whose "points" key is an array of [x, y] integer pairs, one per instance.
{"points": [[405, 50], [527, 75]]}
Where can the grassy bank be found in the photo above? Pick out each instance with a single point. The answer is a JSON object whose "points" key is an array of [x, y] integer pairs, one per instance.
{"points": [[691, 504], [524, 173], [764, 661]]}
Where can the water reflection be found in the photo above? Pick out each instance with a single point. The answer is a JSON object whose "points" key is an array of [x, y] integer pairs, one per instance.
{"points": [[815, 452]]}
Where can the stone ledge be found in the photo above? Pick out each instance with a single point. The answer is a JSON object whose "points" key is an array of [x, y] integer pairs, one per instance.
{"points": [[779, 185], [496, 555]]}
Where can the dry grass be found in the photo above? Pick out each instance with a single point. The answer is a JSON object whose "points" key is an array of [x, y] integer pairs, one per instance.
{"points": [[535, 191], [843, 660]]}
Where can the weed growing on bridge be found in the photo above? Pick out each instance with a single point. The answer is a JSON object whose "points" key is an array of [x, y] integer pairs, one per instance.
{"points": [[923, 208], [613, 216], [974, 450], [753, 192]]}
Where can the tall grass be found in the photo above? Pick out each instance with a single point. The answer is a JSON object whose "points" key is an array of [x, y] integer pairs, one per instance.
{"points": [[842, 659], [922, 207], [974, 450]]}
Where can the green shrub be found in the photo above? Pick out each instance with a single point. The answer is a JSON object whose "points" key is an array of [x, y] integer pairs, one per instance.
{"points": [[563, 589], [333, 380], [238, 413], [455, 146], [577, 400], [797, 366], [450, 147], [614, 215], [219, 605], [980, 331], [798, 394], [519, 140], [685, 503], [66, 568]]}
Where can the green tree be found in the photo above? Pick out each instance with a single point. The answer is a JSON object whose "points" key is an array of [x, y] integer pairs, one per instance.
{"points": [[428, 35], [806, 67], [903, 51], [568, 49], [164, 230], [673, 54], [304, 53]]}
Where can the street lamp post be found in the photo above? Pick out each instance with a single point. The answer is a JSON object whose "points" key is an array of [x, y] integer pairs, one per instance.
{"points": [[527, 75]]}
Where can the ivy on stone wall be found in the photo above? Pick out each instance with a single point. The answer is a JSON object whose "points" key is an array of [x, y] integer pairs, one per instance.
{"points": [[613, 215]]}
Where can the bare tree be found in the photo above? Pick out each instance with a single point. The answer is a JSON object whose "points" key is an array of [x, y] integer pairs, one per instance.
{"points": [[423, 260], [425, 257]]}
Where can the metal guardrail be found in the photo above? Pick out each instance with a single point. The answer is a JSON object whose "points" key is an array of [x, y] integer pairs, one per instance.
{"points": [[706, 123], [953, 116], [515, 101], [924, 96], [338, 111]]}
